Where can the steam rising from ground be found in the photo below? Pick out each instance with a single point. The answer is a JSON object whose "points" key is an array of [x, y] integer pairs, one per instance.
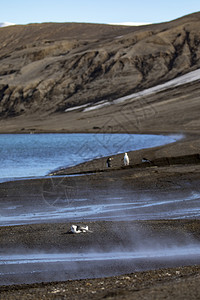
{"points": [[34, 258], [116, 205], [112, 248], [137, 249]]}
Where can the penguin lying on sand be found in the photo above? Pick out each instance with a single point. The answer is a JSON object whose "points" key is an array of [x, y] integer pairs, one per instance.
{"points": [[79, 229]]}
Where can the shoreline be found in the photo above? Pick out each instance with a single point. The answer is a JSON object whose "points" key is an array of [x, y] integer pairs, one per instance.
{"points": [[182, 151], [173, 137]]}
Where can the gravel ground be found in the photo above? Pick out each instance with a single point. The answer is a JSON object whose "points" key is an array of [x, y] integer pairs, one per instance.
{"points": [[174, 280], [175, 283]]}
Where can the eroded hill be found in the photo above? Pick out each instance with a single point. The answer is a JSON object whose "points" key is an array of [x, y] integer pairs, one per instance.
{"points": [[47, 68]]}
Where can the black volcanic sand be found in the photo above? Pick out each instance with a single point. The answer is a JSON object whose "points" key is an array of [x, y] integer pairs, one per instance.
{"points": [[173, 166], [105, 235], [176, 283]]}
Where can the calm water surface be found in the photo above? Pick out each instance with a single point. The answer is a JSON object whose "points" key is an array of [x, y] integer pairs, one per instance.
{"points": [[31, 155]]}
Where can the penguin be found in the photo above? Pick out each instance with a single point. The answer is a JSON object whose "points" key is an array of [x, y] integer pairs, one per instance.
{"points": [[126, 159], [146, 160], [108, 162]]}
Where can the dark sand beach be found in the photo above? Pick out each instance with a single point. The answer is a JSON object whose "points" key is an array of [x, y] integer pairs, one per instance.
{"points": [[174, 171]]}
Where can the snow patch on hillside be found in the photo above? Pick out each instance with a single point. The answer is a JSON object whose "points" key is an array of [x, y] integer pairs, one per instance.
{"points": [[4, 24], [183, 79], [189, 77]]}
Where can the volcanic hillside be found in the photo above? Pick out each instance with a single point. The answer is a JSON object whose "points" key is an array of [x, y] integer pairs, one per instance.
{"points": [[48, 68]]}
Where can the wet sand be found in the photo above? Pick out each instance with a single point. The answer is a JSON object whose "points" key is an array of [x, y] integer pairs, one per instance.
{"points": [[177, 282], [139, 236], [126, 194], [176, 170]]}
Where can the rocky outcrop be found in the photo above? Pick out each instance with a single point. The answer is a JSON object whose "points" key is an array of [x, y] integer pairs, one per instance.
{"points": [[50, 67]]}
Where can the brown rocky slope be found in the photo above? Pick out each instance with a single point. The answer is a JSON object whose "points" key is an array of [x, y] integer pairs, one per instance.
{"points": [[47, 68]]}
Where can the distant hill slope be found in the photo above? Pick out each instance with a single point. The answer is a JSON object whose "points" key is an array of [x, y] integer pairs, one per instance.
{"points": [[47, 68]]}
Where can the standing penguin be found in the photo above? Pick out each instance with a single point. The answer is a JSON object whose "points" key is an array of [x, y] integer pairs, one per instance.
{"points": [[108, 162], [126, 159]]}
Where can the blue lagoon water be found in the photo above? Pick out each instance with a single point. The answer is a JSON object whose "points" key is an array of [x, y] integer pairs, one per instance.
{"points": [[35, 155]]}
